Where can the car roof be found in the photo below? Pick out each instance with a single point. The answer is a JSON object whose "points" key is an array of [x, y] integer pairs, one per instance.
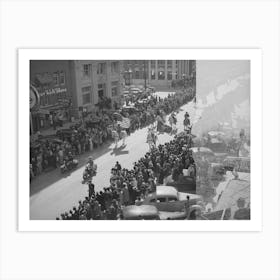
{"points": [[201, 150], [166, 191], [142, 210]]}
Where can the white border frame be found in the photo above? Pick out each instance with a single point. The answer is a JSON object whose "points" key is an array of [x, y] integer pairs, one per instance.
{"points": [[254, 55]]}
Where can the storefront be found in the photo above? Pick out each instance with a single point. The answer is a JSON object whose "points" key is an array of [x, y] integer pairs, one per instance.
{"points": [[52, 82]]}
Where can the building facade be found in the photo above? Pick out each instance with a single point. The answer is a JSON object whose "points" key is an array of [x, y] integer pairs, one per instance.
{"points": [[97, 84], [52, 80], [158, 73], [66, 88]]}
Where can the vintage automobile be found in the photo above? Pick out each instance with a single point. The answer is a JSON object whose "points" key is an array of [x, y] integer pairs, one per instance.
{"points": [[240, 164], [142, 212], [135, 90], [205, 152], [150, 212], [168, 199], [50, 138], [216, 141], [64, 134], [224, 214]]}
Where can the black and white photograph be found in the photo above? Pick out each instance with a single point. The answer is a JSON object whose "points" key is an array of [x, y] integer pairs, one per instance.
{"points": [[139, 140]]}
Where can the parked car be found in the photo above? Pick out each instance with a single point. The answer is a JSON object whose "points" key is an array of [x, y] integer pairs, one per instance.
{"points": [[142, 212], [224, 214], [240, 164], [168, 199]]}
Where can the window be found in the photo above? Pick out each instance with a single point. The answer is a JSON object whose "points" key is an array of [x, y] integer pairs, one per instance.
{"points": [[114, 88], [153, 64], [161, 75], [86, 91], [101, 90], [161, 63], [153, 74], [169, 63], [172, 199], [62, 78], [55, 79], [169, 75], [136, 74], [153, 200], [86, 70], [114, 67], [161, 199], [101, 68]]}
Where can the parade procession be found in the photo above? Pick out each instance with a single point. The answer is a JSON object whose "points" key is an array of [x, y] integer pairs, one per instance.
{"points": [[138, 140]]}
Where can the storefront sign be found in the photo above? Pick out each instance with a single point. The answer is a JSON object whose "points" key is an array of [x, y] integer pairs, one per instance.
{"points": [[53, 91]]}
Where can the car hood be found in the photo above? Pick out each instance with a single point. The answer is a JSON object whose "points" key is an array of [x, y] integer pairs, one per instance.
{"points": [[163, 215]]}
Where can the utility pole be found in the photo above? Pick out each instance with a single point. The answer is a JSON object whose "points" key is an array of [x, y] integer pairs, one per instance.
{"points": [[145, 76]]}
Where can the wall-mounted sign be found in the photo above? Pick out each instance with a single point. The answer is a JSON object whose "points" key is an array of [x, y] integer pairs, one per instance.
{"points": [[34, 97], [53, 91]]}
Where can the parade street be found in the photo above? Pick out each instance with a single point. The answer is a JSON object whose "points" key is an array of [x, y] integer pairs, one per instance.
{"points": [[53, 193]]}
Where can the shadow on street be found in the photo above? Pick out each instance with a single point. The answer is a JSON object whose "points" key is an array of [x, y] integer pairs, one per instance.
{"points": [[119, 151], [47, 178]]}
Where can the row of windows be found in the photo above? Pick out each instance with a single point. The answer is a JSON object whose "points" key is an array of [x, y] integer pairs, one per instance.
{"points": [[163, 199], [59, 78], [101, 69], [160, 63], [115, 88], [160, 76], [87, 91]]}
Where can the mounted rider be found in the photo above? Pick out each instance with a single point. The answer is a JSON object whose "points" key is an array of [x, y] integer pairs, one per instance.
{"points": [[90, 169], [187, 121]]}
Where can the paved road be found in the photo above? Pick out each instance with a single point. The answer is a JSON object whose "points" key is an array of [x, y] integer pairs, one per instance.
{"points": [[52, 193]]}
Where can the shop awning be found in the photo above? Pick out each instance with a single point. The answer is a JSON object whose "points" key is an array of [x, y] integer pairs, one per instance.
{"points": [[42, 111]]}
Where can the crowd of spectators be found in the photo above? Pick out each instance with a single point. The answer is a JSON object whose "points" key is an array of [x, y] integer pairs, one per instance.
{"points": [[79, 139], [130, 187], [95, 130]]}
